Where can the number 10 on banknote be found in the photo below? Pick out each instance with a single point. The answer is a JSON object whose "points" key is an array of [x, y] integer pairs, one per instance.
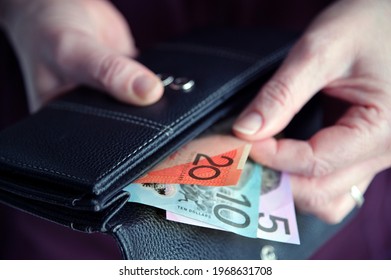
{"points": [[232, 208], [277, 217]]}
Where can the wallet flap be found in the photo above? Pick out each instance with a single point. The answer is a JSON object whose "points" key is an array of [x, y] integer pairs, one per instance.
{"points": [[82, 149]]}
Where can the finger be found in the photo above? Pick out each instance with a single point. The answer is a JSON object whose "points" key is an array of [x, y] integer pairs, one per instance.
{"points": [[359, 135], [42, 85], [91, 63], [318, 195], [311, 65], [335, 211], [321, 190]]}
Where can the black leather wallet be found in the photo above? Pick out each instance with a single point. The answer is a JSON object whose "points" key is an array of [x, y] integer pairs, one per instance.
{"points": [[69, 162]]}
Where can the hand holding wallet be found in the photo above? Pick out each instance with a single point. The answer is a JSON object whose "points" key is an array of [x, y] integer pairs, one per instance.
{"points": [[69, 162]]}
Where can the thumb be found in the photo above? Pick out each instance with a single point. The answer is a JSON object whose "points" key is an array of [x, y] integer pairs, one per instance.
{"points": [[94, 64], [310, 66]]}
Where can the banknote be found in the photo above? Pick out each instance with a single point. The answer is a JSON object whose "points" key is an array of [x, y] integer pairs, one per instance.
{"points": [[214, 160], [233, 208], [277, 216]]}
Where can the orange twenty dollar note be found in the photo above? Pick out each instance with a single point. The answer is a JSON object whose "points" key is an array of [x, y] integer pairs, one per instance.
{"points": [[215, 160]]}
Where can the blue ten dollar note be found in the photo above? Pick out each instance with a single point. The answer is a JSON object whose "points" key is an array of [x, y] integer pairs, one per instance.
{"points": [[233, 208]]}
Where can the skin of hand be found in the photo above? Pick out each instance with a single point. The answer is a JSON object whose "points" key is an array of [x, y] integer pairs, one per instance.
{"points": [[346, 53], [64, 43]]}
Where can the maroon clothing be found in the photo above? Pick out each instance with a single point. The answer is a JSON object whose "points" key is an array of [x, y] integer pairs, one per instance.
{"points": [[367, 236], [153, 21]]}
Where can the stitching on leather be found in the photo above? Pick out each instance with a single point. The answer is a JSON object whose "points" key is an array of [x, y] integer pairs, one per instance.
{"points": [[220, 52], [168, 129], [106, 114], [256, 67], [135, 151], [43, 169]]}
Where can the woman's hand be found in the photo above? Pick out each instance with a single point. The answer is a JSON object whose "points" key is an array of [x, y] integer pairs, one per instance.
{"points": [[346, 53], [64, 43]]}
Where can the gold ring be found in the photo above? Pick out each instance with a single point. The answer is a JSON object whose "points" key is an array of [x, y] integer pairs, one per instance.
{"points": [[357, 196]]}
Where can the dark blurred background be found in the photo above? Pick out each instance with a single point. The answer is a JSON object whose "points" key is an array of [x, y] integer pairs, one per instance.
{"points": [[22, 236]]}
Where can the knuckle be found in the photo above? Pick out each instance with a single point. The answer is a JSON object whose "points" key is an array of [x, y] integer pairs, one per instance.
{"points": [[371, 120], [319, 168], [108, 69], [277, 93], [371, 127], [319, 200], [315, 198], [313, 46], [314, 202]]}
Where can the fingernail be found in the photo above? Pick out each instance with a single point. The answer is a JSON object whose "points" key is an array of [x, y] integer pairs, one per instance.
{"points": [[248, 124], [143, 85]]}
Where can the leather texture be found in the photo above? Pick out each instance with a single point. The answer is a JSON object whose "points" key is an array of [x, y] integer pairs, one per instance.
{"points": [[146, 234]]}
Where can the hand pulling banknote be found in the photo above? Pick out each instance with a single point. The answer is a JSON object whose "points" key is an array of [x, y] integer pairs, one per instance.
{"points": [[199, 184]]}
